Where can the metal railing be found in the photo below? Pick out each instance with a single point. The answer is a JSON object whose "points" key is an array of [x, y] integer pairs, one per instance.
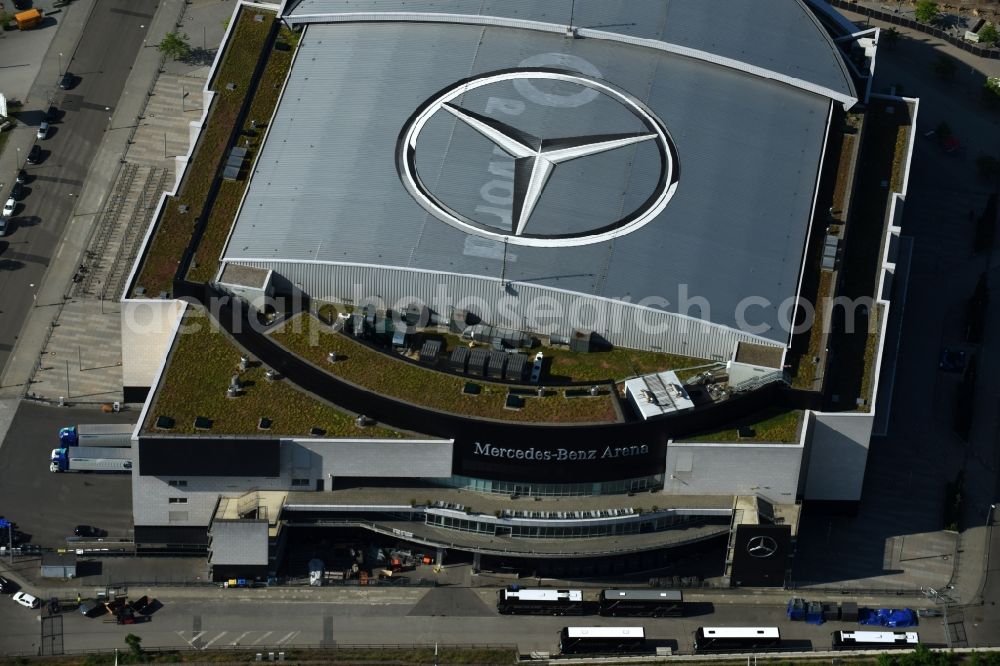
{"points": [[754, 383], [286, 649]]}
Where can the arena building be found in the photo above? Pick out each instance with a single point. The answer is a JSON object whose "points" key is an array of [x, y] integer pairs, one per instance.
{"points": [[579, 176]]}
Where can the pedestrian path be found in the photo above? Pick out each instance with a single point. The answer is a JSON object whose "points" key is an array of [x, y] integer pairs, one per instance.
{"points": [[163, 132], [82, 362], [81, 359]]}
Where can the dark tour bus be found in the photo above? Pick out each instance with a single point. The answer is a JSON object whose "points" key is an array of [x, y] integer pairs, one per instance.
{"points": [[536, 601], [604, 640], [642, 603], [860, 640], [726, 639]]}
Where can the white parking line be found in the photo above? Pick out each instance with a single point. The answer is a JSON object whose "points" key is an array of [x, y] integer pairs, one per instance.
{"points": [[239, 638], [262, 638], [192, 639], [291, 634], [205, 646]]}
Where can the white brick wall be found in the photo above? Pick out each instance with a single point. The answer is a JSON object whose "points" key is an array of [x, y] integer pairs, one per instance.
{"points": [[147, 327]]}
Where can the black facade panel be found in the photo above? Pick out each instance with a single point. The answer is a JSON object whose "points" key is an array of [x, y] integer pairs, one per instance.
{"points": [[205, 456], [222, 572], [135, 394], [156, 535], [761, 556]]}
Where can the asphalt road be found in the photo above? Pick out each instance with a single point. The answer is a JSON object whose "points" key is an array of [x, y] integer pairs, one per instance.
{"points": [[980, 621], [112, 38], [45, 505], [227, 619]]}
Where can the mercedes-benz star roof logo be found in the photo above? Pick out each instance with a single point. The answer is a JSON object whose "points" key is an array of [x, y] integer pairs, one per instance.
{"points": [[536, 158], [762, 546]]}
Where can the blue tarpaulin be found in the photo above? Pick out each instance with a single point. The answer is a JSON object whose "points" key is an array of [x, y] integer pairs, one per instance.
{"points": [[884, 617], [796, 610], [814, 613]]}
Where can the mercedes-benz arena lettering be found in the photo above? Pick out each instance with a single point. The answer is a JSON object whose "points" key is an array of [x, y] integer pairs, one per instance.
{"points": [[472, 202], [559, 454]]}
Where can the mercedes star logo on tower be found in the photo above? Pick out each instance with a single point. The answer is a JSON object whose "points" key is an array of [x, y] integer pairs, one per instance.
{"points": [[762, 546], [537, 159]]}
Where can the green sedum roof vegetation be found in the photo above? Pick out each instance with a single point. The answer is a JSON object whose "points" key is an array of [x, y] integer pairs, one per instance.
{"points": [[313, 340], [174, 228], [771, 426], [227, 200], [199, 369]]}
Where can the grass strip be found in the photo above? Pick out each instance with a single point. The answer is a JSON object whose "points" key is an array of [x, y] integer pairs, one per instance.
{"points": [[199, 370], [768, 426], [227, 200], [871, 354], [313, 340], [805, 373], [174, 228]]}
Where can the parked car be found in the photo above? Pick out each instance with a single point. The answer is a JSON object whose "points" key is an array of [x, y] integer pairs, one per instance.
{"points": [[89, 532], [26, 600], [21, 4], [17, 192], [91, 608], [8, 208], [67, 81], [22, 177], [35, 154], [951, 360], [4, 226], [6, 587], [52, 115], [43, 130]]}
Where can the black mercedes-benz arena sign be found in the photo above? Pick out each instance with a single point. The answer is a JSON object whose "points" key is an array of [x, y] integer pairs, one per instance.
{"points": [[536, 158]]}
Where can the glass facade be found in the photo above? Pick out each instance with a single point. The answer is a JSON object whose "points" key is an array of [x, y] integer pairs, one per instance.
{"points": [[582, 531], [526, 489]]}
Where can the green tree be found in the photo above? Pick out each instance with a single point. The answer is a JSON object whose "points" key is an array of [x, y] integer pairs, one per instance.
{"points": [[988, 166], [945, 67], [885, 660], [988, 34], [926, 11], [991, 91], [175, 45], [134, 644], [891, 37]]}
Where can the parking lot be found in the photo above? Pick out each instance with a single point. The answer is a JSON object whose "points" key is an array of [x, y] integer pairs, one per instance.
{"points": [[47, 506], [229, 619]]}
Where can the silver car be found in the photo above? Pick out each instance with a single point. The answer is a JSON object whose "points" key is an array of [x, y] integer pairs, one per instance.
{"points": [[43, 130]]}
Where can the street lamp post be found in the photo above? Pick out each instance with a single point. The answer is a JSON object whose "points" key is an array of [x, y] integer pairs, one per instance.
{"points": [[60, 64], [10, 538]]}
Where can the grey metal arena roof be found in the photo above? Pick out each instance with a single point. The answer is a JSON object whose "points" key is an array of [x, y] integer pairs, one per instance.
{"points": [[778, 35], [327, 186]]}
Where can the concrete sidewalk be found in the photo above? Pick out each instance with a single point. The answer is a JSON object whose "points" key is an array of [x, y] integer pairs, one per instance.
{"points": [[103, 170], [195, 587], [957, 101]]}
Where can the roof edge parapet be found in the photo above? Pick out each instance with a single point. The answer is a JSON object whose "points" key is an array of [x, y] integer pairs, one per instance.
{"points": [[696, 54]]}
